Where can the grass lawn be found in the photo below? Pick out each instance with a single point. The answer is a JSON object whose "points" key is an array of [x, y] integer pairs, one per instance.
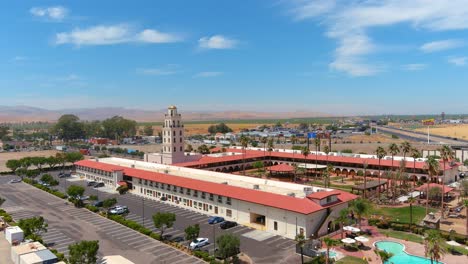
{"points": [[351, 260], [402, 214], [402, 235]]}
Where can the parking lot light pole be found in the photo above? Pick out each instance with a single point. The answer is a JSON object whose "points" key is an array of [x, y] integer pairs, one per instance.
{"points": [[143, 202]]}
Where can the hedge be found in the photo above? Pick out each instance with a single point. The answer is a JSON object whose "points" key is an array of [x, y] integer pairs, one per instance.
{"points": [[92, 208], [47, 189]]}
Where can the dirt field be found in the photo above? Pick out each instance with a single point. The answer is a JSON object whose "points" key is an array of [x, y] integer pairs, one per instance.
{"points": [[456, 131], [4, 156]]}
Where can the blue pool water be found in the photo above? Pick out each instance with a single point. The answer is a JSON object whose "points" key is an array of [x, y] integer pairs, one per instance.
{"points": [[400, 256]]}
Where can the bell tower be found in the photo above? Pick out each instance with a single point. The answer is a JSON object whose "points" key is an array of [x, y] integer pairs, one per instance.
{"points": [[173, 137]]}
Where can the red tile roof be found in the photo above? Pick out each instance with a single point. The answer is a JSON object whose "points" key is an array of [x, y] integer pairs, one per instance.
{"points": [[322, 195], [423, 188], [281, 168], [207, 160], [294, 204]]}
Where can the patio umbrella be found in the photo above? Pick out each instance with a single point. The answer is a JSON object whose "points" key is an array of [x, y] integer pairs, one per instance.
{"points": [[348, 240], [361, 239], [348, 228]]}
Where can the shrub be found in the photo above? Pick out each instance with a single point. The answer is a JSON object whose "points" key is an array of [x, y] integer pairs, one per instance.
{"points": [[122, 189], [156, 236], [92, 208], [145, 231]]}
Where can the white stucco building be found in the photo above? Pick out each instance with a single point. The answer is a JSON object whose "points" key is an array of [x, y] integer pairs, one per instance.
{"points": [[284, 209]]}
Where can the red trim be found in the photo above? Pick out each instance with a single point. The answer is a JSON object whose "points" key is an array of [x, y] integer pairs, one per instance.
{"points": [[294, 204]]}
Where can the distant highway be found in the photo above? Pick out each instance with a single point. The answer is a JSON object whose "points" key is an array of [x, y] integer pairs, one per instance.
{"points": [[420, 137]]}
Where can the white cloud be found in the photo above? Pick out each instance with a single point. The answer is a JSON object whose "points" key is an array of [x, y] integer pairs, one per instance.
{"points": [[154, 36], [20, 58], [458, 61], [169, 69], [217, 42], [207, 74], [349, 22], [53, 12], [414, 67], [441, 45], [113, 34]]}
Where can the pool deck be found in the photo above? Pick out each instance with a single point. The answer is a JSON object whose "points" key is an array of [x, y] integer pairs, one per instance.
{"points": [[410, 247]]}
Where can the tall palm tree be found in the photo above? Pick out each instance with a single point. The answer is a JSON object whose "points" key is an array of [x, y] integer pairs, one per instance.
{"points": [[300, 239], [293, 142], [465, 202], [264, 141], [343, 217], [361, 207], [244, 140], [330, 242], [405, 148], [381, 153], [317, 148], [393, 149], [305, 153], [446, 154], [365, 178], [271, 146], [432, 166], [434, 245], [415, 154], [411, 200]]}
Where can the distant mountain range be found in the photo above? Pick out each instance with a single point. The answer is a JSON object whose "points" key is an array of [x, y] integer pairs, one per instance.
{"points": [[29, 114]]}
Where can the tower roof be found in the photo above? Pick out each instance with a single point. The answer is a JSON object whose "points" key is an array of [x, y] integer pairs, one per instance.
{"points": [[172, 107]]}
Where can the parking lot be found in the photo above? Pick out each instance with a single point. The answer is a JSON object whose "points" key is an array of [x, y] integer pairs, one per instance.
{"points": [[68, 225], [261, 246]]}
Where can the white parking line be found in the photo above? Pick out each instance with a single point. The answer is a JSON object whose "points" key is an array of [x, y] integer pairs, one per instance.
{"points": [[149, 247], [273, 240], [138, 242], [60, 241], [54, 236], [124, 236], [131, 239], [240, 230]]}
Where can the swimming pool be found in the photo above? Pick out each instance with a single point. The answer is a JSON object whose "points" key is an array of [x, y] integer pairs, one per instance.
{"points": [[399, 254]]}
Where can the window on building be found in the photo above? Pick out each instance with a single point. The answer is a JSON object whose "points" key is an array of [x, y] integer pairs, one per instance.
{"points": [[139, 181], [173, 133], [180, 133], [228, 200], [275, 225], [151, 183], [181, 190], [195, 193], [175, 150], [211, 207], [162, 186], [156, 185], [180, 140], [188, 192], [203, 195], [181, 149], [211, 197], [174, 188], [229, 213], [168, 187], [146, 182], [220, 199]]}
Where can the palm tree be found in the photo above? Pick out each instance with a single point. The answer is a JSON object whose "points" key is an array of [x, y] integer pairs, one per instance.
{"points": [[330, 242], [342, 218], [393, 149], [405, 148], [446, 154], [244, 143], [305, 153], [415, 154], [432, 166], [365, 178], [271, 146], [317, 148], [300, 239], [293, 142], [380, 152], [264, 141], [411, 200], [465, 202], [361, 207], [434, 245]]}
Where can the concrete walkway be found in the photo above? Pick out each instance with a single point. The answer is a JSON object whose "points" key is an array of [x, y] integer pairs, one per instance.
{"points": [[5, 250]]}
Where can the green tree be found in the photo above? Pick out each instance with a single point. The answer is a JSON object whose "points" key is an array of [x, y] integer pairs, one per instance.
{"points": [[118, 127], [219, 128], [47, 178], [415, 154], [163, 221], [228, 245], [432, 166], [411, 200], [93, 129], [192, 232], [73, 157], [264, 141], [68, 127], [107, 203], [405, 148], [259, 166], [84, 252], [189, 148], [301, 240], [393, 149], [342, 219], [434, 245], [4, 131], [305, 152], [34, 227], [446, 154], [148, 130], [52, 162], [75, 192], [330, 242], [203, 149], [271, 147], [380, 153], [13, 165], [361, 207]]}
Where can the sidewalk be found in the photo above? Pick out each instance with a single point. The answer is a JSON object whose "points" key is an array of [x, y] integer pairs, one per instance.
{"points": [[5, 250]]}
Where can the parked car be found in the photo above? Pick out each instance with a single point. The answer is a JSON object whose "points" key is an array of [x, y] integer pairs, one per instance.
{"points": [[64, 175], [215, 220], [15, 180], [227, 224], [99, 184], [98, 203], [119, 210], [198, 243], [91, 183]]}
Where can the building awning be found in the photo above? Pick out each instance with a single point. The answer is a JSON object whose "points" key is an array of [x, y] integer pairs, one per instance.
{"points": [[122, 183], [281, 168]]}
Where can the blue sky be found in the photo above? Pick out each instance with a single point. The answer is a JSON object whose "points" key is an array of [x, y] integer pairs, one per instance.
{"points": [[338, 57]]}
